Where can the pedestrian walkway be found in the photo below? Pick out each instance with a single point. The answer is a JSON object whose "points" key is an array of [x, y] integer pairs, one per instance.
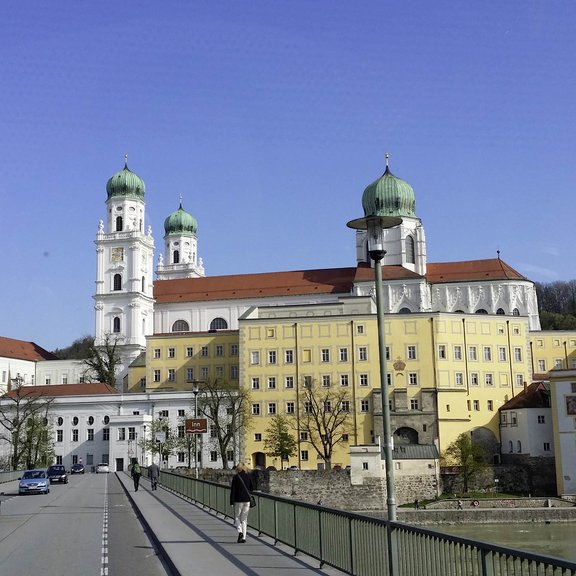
{"points": [[194, 542]]}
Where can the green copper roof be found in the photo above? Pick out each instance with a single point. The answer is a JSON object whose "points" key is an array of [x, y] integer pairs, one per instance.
{"points": [[179, 222], [389, 196], [126, 184]]}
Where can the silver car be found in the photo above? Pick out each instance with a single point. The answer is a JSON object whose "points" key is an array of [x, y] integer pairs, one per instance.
{"points": [[34, 482]]}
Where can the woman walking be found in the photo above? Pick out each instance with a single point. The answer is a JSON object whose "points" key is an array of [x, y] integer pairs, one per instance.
{"points": [[240, 492]]}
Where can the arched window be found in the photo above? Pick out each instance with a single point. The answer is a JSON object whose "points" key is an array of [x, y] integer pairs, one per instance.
{"points": [[180, 326], [481, 311], [405, 311], [500, 311], [117, 281], [510, 446], [518, 446], [176, 257], [515, 312], [119, 223], [459, 311], [410, 252], [143, 284], [116, 325], [218, 324]]}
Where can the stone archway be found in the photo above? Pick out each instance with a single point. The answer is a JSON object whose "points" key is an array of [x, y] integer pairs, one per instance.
{"points": [[259, 460], [405, 435], [486, 439]]}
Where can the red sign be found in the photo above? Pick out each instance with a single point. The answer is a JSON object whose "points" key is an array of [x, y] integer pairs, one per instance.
{"points": [[196, 425]]}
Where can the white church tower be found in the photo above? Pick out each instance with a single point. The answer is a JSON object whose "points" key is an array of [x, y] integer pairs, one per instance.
{"points": [[124, 274]]}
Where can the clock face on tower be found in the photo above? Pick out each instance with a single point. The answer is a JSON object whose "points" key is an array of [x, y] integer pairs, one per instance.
{"points": [[117, 254]]}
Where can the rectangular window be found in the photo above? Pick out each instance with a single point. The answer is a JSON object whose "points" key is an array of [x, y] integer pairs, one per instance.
{"points": [[219, 350], [457, 352], [365, 406], [307, 407], [501, 353], [442, 352], [542, 365], [271, 356], [121, 434], [270, 333], [181, 413], [345, 406], [362, 353], [472, 353], [290, 406], [204, 372], [360, 329], [156, 375], [255, 357], [106, 434], [234, 372], [476, 404], [411, 352], [307, 381], [257, 437], [518, 354], [414, 404], [189, 374], [344, 381], [468, 404], [189, 351], [343, 354], [327, 406], [459, 379], [474, 379], [546, 446], [304, 436], [326, 380], [271, 383], [181, 431], [558, 363], [289, 356], [490, 405], [256, 409], [255, 383], [181, 457], [325, 355], [519, 380], [204, 351], [289, 382], [487, 353], [363, 379], [131, 433], [157, 353], [90, 434], [171, 375], [541, 419], [59, 435], [213, 456], [304, 455], [163, 414], [413, 379], [233, 349], [171, 353], [488, 379]]}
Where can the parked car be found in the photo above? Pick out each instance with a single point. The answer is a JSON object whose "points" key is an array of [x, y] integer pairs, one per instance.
{"points": [[34, 482], [102, 468], [77, 469], [57, 473]]}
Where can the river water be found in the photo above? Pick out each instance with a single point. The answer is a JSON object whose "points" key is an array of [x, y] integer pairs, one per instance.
{"points": [[557, 539]]}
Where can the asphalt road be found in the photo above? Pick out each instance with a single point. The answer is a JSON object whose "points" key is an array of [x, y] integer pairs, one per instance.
{"points": [[83, 528]]}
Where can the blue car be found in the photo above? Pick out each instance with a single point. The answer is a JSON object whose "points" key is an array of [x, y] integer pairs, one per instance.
{"points": [[34, 482]]}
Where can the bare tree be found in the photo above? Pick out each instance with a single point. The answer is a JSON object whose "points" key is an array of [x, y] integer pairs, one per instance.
{"points": [[324, 414], [227, 409], [163, 449], [24, 426], [103, 361]]}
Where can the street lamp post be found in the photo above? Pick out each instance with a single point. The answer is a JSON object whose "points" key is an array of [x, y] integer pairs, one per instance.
{"points": [[195, 391], [375, 226]]}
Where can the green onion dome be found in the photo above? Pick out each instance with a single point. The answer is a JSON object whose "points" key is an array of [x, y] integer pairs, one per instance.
{"points": [[180, 222], [389, 196], [126, 184]]}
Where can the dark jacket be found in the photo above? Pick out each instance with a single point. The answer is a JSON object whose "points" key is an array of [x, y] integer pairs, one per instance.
{"points": [[153, 471], [241, 488]]}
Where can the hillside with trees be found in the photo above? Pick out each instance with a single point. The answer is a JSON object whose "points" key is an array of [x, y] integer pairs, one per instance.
{"points": [[557, 305]]}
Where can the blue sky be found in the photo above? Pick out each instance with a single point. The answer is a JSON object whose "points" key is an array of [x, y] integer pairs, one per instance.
{"points": [[270, 118]]}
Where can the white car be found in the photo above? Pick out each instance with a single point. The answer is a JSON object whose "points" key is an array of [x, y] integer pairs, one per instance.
{"points": [[102, 468]]}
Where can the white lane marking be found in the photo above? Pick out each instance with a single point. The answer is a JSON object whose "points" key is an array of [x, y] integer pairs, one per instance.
{"points": [[104, 567]]}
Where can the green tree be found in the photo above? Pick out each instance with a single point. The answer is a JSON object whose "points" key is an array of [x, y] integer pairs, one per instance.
{"points": [[24, 412], [324, 415], [103, 361], [227, 409], [278, 441], [165, 449], [186, 442], [469, 457]]}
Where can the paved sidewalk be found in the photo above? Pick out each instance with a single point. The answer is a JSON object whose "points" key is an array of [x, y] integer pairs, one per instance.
{"points": [[194, 542]]}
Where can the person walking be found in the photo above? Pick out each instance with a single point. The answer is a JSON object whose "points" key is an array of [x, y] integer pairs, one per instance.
{"points": [[136, 473], [240, 496], [154, 474]]}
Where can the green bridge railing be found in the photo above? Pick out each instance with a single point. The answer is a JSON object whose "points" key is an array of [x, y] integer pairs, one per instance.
{"points": [[365, 546]]}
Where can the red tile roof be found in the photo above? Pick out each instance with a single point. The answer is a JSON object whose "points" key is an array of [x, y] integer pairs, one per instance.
{"points": [[471, 270], [52, 390], [537, 395], [21, 350], [323, 281]]}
